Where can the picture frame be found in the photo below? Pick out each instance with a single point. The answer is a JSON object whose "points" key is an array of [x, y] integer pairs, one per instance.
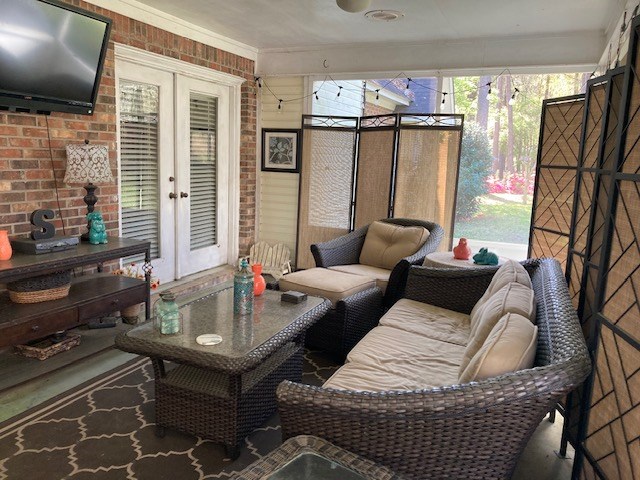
{"points": [[281, 150]]}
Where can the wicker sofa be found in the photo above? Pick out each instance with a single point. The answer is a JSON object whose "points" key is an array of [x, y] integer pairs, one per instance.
{"points": [[345, 250], [475, 430]]}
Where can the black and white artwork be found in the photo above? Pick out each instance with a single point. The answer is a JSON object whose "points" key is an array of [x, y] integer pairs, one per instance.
{"points": [[280, 150]]}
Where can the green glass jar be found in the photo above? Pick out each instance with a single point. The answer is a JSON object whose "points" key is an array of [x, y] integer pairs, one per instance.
{"points": [[167, 313], [243, 289]]}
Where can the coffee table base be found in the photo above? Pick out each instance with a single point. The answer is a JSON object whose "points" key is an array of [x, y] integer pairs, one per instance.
{"points": [[221, 407]]}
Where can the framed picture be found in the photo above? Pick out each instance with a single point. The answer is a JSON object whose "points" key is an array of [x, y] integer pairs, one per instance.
{"points": [[280, 150]]}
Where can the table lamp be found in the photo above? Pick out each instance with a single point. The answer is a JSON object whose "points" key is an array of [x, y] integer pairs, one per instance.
{"points": [[88, 164]]}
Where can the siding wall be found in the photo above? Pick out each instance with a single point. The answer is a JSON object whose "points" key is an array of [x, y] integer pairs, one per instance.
{"points": [[348, 104], [278, 192]]}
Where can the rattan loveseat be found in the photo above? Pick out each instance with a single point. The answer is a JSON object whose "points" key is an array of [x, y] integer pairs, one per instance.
{"points": [[471, 431], [345, 250]]}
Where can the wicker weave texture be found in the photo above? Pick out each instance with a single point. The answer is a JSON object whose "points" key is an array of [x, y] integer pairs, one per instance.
{"points": [[471, 431]]}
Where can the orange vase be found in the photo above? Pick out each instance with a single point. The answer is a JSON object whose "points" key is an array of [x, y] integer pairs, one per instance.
{"points": [[5, 245], [462, 250], [259, 284]]}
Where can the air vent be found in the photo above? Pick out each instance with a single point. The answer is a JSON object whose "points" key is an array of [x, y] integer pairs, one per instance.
{"points": [[384, 15]]}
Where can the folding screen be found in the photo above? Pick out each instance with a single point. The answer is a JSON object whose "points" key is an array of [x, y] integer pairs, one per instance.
{"points": [[427, 170], [555, 177], [602, 105], [406, 166], [326, 179], [376, 151], [609, 446]]}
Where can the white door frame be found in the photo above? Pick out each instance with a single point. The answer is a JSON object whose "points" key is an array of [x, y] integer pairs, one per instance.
{"points": [[144, 58]]}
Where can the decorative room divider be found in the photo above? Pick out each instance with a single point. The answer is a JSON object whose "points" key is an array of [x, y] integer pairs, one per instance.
{"points": [[602, 255], [357, 170]]}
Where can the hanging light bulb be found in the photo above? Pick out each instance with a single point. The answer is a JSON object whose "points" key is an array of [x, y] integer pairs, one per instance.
{"points": [[316, 94], [259, 82], [339, 91], [378, 94], [444, 97], [489, 91], [512, 100], [279, 104], [408, 82]]}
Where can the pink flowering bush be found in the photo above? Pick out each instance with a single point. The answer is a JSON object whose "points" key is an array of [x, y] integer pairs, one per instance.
{"points": [[514, 183]]}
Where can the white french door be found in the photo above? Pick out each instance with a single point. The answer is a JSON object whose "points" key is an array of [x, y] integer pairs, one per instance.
{"points": [[202, 147], [174, 167]]}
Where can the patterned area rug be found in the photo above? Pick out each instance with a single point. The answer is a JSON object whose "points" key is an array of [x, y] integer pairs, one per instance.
{"points": [[105, 430]]}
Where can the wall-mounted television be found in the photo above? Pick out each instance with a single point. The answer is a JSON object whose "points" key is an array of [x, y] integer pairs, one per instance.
{"points": [[51, 56]]}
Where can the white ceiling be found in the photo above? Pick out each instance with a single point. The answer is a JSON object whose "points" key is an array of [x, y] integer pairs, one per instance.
{"points": [[288, 26]]}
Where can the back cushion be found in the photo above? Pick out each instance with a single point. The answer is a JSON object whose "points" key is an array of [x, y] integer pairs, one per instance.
{"points": [[512, 298], [386, 244], [510, 271], [511, 346]]}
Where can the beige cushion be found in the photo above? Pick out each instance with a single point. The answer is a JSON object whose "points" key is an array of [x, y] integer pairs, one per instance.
{"points": [[322, 282], [512, 298], [380, 274], [511, 346], [386, 244], [429, 321], [402, 359], [511, 271]]}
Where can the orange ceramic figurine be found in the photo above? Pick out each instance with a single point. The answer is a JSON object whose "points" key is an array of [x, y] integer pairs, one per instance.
{"points": [[5, 245], [259, 284], [462, 251]]}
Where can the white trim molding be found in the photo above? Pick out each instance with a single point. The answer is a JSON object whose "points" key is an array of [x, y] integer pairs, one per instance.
{"points": [[157, 18]]}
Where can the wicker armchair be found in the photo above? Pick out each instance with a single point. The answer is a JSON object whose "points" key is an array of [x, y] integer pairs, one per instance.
{"points": [[471, 431], [345, 250]]}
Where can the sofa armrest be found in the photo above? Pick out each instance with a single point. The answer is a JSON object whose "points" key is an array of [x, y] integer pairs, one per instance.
{"points": [[344, 250], [362, 312]]}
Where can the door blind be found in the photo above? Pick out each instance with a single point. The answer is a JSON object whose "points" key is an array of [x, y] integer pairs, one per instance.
{"points": [[139, 162], [203, 158]]}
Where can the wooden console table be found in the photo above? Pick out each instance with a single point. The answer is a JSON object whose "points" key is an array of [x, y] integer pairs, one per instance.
{"points": [[90, 296]]}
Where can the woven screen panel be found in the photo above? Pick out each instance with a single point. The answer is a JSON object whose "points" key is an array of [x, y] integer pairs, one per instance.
{"points": [[587, 473], [621, 304], [614, 417], [426, 177], [548, 244], [554, 199], [325, 188], [375, 161], [561, 134], [631, 160], [597, 100]]}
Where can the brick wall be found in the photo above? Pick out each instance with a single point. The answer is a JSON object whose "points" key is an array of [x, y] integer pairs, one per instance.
{"points": [[28, 174]]}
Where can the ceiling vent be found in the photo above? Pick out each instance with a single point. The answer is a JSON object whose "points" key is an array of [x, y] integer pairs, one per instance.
{"points": [[384, 15]]}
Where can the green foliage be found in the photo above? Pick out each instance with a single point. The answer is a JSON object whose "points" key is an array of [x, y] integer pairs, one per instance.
{"points": [[475, 167]]}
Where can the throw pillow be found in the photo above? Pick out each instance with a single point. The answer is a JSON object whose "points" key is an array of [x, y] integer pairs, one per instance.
{"points": [[511, 346]]}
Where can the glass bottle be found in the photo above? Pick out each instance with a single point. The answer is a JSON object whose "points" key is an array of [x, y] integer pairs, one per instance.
{"points": [[243, 289], [167, 314]]}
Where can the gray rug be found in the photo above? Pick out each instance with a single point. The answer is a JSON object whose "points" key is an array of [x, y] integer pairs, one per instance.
{"points": [[105, 429]]}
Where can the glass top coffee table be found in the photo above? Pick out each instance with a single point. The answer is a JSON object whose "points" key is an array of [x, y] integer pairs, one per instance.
{"points": [[306, 457], [223, 391]]}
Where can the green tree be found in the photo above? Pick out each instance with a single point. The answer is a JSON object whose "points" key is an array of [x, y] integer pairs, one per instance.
{"points": [[475, 167]]}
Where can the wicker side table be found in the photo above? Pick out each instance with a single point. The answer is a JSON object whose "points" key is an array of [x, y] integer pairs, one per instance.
{"points": [[306, 456]]}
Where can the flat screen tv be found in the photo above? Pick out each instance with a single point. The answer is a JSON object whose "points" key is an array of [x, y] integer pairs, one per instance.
{"points": [[51, 56]]}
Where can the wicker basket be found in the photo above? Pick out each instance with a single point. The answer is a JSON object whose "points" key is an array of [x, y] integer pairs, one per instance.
{"points": [[40, 289]]}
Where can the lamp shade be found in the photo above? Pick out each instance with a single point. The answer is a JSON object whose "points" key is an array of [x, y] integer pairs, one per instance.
{"points": [[353, 6], [87, 164]]}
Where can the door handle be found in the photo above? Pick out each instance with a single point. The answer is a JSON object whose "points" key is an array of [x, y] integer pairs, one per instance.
{"points": [[184, 194], [173, 196]]}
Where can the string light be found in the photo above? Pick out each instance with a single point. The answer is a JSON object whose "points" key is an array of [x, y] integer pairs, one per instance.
{"points": [[489, 91], [408, 82], [316, 94], [339, 90], [378, 94], [444, 96], [512, 100], [279, 104], [259, 81]]}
